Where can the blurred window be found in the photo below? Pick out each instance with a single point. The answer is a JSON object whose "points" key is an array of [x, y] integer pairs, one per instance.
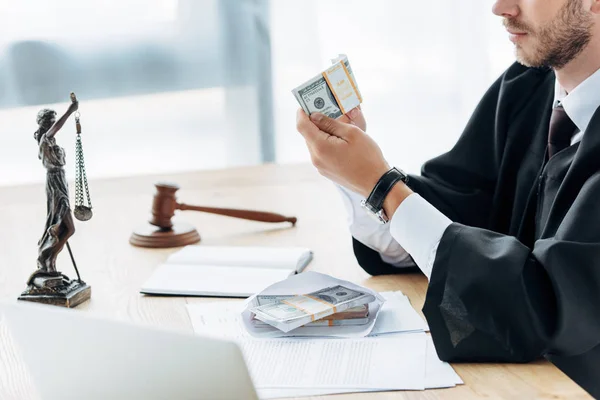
{"points": [[164, 85]]}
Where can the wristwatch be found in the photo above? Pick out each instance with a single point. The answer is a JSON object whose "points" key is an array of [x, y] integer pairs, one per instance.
{"points": [[374, 203]]}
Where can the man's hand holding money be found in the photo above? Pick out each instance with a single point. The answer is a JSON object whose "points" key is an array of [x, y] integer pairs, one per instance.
{"points": [[339, 147], [343, 153], [355, 117]]}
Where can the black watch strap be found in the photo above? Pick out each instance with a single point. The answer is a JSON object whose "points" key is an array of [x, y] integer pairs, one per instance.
{"points": [[383, 187]]}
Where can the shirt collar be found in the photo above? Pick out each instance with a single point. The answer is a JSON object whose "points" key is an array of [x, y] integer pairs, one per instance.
{"points": [[581, 104]]}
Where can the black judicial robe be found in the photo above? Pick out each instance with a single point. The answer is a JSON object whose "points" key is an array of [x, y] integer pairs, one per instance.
{"points": [[517, 274]]}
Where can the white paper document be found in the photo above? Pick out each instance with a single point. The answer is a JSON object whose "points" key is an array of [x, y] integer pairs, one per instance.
{"points": [[438, 374], [221, 319], [225, 271], [398, 315], [395, 362]]}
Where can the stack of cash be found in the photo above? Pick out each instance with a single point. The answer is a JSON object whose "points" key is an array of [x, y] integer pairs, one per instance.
{"points": [[334, 92], [352, 316], [290, 312]]}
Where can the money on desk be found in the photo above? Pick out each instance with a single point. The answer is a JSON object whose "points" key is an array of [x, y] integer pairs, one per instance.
{"points": [[352, 316], [323, 322], [311, 282], [334, 92], [288, 313], [339, 322]]}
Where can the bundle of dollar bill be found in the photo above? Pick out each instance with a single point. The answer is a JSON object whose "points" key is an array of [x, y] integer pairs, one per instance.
{"points": [[334, 92], [293, 312], [351, 317]]}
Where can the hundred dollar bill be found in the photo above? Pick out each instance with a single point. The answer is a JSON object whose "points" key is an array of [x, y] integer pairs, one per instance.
{"points": [[333, 92], [291, 313]]}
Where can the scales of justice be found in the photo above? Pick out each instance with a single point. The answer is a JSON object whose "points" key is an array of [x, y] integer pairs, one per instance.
{"points": [[50, 286], [46, 284]]}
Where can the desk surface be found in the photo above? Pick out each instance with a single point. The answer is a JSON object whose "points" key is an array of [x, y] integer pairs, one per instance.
{"points": [[116, 270]]}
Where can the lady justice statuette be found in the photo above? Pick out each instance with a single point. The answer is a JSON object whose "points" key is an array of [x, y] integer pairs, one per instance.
{"points": [[47, 284]]}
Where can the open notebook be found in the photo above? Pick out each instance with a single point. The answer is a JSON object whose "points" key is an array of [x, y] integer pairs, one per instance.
{"points": [[225, 271]]}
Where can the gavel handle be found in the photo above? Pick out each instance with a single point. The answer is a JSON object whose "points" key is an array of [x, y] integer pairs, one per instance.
{"points": [[243, 214]]}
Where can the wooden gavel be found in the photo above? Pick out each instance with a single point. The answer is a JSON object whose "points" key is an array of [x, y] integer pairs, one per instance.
{"points": [[162, 233], [165, 203]]}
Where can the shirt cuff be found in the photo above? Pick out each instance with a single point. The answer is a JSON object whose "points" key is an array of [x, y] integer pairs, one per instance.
{"points": [[418, 227], [371, 233]]}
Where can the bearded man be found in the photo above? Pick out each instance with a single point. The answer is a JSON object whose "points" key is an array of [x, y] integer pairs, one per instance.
{"points": [[506, 225]]}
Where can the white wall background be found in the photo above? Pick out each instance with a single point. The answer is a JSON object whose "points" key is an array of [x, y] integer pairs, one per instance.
{"points": [[421, 67]]}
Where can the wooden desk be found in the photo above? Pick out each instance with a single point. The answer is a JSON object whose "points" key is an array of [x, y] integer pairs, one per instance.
{"points": [[116, 270]]}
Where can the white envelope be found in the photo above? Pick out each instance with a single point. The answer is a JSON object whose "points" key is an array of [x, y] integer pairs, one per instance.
{"points": [[304, 283]]}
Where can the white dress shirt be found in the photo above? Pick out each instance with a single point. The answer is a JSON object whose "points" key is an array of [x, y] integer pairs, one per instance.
{"points": [[417, 227]]}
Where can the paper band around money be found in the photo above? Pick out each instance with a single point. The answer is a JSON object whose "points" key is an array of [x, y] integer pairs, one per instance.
{"points": [[351, 82], [337, 99], [312, 316], [344, 83]]}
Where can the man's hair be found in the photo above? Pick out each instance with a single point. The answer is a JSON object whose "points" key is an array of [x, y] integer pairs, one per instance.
{"points": [[45, 119]]}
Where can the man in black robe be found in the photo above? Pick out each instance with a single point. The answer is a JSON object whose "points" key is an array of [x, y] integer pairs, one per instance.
{"points": [[506, 225]]}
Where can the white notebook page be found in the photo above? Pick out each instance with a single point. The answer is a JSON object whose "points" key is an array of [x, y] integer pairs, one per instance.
{"points": [[207, 280], [242, 256]]}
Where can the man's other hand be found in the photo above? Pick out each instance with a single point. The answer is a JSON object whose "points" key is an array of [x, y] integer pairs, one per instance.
{"points": [[355, 117], [341, 150]]}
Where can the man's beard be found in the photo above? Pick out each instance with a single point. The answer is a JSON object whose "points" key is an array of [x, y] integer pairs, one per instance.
{"points": [[558, 42]]}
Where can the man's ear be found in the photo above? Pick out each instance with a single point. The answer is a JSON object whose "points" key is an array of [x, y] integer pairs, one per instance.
{"points": [[595, 8]]}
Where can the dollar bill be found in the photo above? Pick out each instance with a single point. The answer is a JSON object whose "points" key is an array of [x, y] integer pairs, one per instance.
{"points": [[316, 96], [333, 92], [291, 313], [263, 299]]}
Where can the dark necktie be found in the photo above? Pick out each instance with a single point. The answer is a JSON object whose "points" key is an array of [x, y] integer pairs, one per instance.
{"points": [[561, 131]]}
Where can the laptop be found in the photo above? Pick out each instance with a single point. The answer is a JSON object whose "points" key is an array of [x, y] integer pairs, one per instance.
{"points": [[71, 355]]}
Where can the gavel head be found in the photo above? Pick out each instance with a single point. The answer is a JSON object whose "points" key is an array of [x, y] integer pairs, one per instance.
{"points": [[164, 205]]}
